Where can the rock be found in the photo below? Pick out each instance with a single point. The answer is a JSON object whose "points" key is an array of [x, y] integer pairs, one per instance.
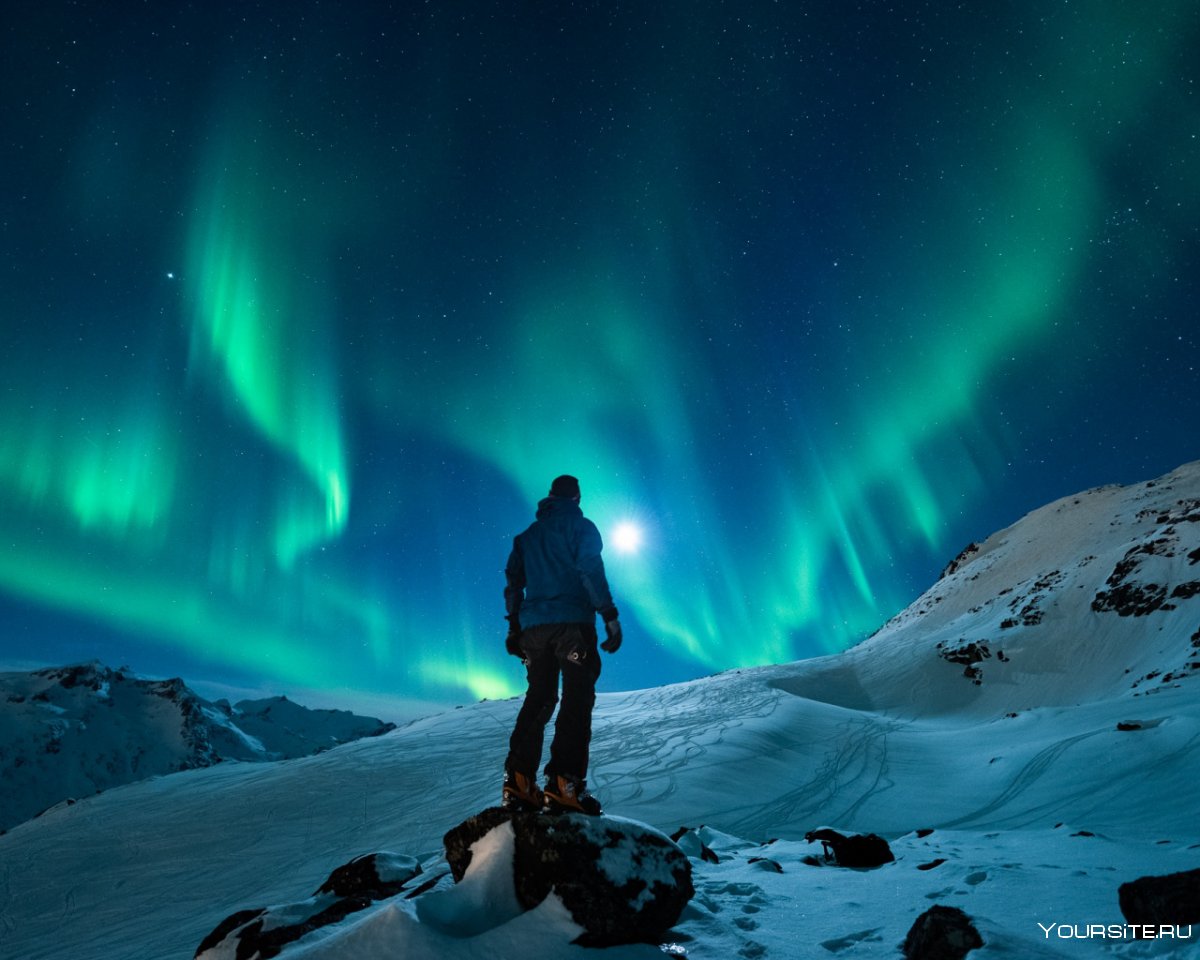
{"points": [[375, 876], [1127, 596], [967, 553], [690, 842], [458, 842], [263, 933], [970, 655], [941, 933], [1166, 900], [622, 881], [859, 850], [216, 941]]}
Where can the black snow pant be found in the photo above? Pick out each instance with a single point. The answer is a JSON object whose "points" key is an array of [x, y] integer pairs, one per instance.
{"points": [[551, 649]]}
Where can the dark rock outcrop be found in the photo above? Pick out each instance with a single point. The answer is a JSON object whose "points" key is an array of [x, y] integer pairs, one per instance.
{"points": [[1130, 593], [858, 850], [263, 933], [622, 881], [941, 933], [1166, 900], [970, 655], [967, 553], [375, 876]]}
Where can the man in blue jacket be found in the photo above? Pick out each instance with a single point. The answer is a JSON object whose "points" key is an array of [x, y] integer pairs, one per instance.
{"points": [[555, 587]]}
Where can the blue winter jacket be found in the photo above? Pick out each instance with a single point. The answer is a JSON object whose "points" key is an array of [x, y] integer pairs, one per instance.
{"points": [[554, 573]]}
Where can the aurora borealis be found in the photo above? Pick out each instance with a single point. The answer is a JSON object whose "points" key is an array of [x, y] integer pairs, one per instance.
{"points": [[305, 304]]}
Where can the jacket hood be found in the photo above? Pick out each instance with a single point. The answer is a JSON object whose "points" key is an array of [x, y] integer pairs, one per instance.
{"points": [[557, 507]]}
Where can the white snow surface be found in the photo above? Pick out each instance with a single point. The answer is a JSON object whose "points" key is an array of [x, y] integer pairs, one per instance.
{"points": [[1040, 806]]}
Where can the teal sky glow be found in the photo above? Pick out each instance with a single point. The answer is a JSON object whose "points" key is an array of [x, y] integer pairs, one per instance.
{"points": [[303, 308]]}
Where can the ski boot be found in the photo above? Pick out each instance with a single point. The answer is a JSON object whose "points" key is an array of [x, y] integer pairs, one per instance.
{"points": [[569, 795], [520, 792]]}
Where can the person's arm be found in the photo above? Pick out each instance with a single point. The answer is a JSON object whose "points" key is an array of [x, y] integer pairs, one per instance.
{"points": [[591, 571], [514, 587]]}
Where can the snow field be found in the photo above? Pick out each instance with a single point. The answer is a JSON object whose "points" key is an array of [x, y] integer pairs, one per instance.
{"points": [[1040, 806]]}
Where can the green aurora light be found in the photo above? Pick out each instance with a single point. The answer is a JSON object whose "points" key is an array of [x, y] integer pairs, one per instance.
{"points": [[800, 300]]}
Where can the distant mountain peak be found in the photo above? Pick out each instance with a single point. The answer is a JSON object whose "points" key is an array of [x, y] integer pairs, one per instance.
{"points": [[72, 731]]}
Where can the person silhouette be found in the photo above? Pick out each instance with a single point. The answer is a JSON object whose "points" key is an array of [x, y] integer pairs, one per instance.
{"points": [[554, 587]]}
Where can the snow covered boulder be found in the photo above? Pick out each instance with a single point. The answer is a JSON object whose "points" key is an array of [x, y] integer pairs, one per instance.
{"points": [[620, 880], [460, 841], [1168, 901], [265, 932]]}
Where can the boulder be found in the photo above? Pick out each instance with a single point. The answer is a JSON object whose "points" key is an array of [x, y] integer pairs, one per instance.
{"points": [[858, 850], [941, 933], [622, 881], [264, 933], [1170, 900], [459, 841], [691, 843], [619, 880]]}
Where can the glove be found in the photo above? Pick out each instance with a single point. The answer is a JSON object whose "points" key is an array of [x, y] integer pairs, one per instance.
{"points": [[613, 643]]}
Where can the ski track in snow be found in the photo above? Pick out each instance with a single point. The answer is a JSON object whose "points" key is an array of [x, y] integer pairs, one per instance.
{"points": [[647, 759], [857, 765], [1026, 778]]}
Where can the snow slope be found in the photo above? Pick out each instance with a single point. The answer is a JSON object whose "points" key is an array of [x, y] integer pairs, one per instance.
{"points": [[69, 732], [1039, 805], [1090, 597]]}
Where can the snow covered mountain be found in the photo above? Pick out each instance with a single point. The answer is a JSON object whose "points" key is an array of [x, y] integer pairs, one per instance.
{"points": [[69, 732], [1089, 598], [1026, 735]]}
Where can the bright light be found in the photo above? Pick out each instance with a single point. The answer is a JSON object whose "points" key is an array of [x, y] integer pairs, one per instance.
{"points": [[627, 537]]}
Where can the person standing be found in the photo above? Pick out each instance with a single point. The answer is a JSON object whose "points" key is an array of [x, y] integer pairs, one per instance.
{"points": [[555, 586]]}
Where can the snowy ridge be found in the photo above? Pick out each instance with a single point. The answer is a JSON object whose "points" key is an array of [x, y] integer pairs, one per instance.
{"points": [[1023, 789], [69, 732], [1091, 597]]}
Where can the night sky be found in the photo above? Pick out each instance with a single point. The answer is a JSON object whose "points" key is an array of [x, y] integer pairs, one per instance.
{"points": [[305, 304]]}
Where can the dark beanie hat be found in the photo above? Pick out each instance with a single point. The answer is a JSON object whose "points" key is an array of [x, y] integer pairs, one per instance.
{"points": [[565, 486]]}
